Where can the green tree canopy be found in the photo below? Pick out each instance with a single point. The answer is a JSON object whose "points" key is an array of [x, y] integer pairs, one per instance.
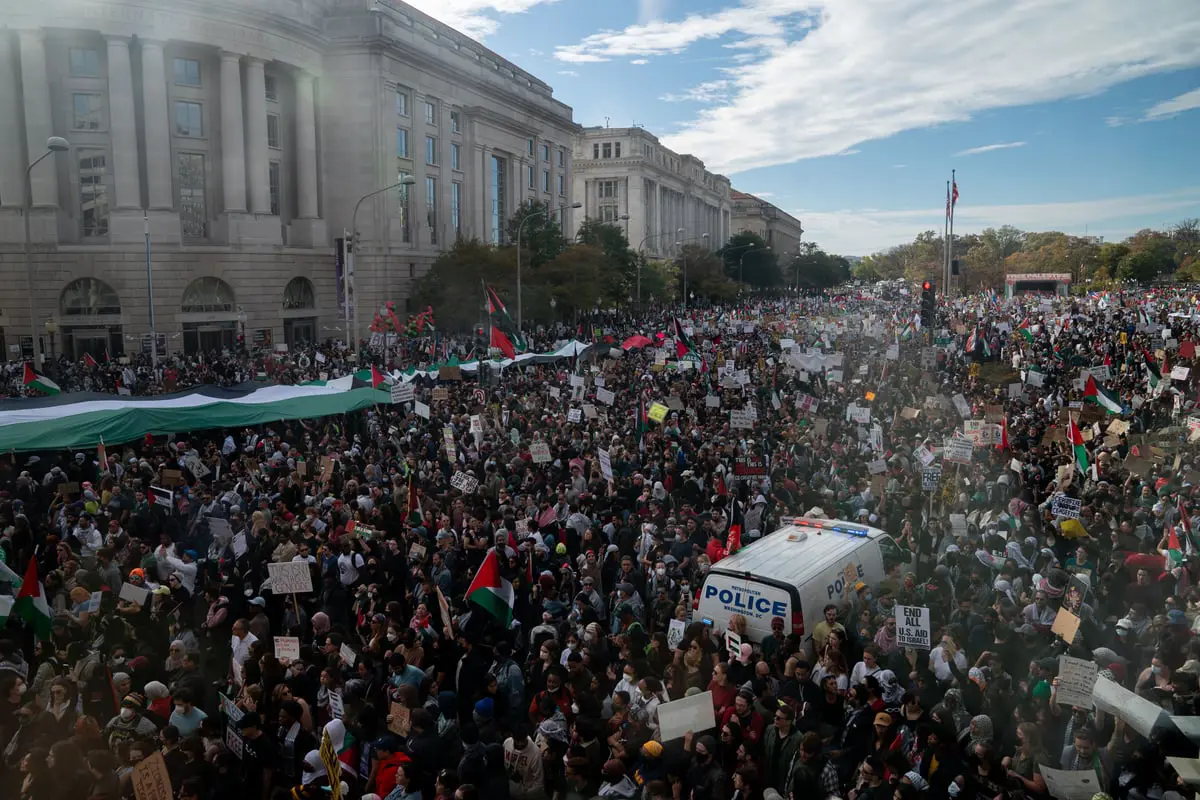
{"points": [[748, 259], [540, 233]]}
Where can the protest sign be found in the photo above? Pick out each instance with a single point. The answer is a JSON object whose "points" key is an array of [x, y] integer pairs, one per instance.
{"points": [[605, 464], [1074, 784], [1076, 679], [403, 393], [467, 484], [399, 718], [930, 478], [1138, 712], [741, 418], [657, 412], [733, 644], [134, 594], [151, 781], [605, 396], [421, 409], [1065, 625], [957, 451], [913, 627], [749, 466], [290, 577], [1063, 506], [540, 452], [693, 714], [287, 647], [675, 632]]}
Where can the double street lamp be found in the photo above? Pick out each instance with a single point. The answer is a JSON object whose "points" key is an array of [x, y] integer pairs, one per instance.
{"points": [[55, 144], [348, 272], [520, 230], [680, 244]]}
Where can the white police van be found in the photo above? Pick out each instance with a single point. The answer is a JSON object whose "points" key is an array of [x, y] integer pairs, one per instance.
{"points": [[794, 573]]}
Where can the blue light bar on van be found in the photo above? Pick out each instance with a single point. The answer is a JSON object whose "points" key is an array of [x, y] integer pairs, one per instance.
{"points": [[825, 525]]}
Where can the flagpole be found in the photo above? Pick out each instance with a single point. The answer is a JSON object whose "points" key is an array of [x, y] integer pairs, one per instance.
{"points": [[946, 245], [950, 242]]}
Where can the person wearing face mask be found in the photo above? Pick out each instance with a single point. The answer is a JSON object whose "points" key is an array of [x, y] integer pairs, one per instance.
{"points": [[705, 780], [129, 723]]}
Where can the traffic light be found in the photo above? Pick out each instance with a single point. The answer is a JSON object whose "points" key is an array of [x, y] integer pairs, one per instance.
{"points": [[928, 304]]}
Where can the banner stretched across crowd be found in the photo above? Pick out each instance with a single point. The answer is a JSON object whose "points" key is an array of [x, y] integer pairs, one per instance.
{"points": [[439, 587]]}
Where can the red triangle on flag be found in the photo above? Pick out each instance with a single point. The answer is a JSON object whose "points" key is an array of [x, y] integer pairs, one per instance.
{"points": [[377, 378], [502, 343]]}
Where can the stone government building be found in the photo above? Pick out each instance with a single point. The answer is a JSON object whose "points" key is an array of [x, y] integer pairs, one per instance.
{"points": [[241, 134]]}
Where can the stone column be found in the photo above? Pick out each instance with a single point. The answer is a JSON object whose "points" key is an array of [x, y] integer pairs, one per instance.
{"points": [[12, 190], [156, 120], [258, 161], [306, 148], [39, 124], [233, 146], [127, 180], [483, 194]]}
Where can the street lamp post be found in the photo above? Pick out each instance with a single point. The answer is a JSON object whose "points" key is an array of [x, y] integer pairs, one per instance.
{"points": [[684, 293], [641, 258], [348, 273], [520, 232], [55, 144]]}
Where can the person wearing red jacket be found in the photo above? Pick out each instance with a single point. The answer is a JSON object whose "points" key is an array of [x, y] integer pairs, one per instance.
{"points": [[751, 721]]}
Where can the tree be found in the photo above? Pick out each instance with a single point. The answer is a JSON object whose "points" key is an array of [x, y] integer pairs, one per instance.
{"points": [[454, 284], [541, 235], [702, 273], [575, 278], [1138, 266], [620, 267], [815, 269], [750, 260], [868, 268]]}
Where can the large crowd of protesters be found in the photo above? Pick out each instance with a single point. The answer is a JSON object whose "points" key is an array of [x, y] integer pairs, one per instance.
{"points": [[166, 637]]}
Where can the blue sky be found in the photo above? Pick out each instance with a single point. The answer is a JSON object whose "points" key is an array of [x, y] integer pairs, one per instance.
{"points": [[850, 114]]}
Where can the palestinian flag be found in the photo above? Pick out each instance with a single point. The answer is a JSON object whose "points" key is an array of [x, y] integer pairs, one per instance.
{"points": [[377, 378], [503, 343], [1075, 439], [734, 542], [906, 332], [500, 319], [88, 361], [491, 591], [415, 517], [1003, 443], [683, 345], [39, 383], [1024, 330], [31, 604], [102, 455], [1174, 551], [1098, 394], [1153, 373]]}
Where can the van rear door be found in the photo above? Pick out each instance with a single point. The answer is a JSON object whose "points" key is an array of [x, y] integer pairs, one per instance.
{"points": [[757, 600]]}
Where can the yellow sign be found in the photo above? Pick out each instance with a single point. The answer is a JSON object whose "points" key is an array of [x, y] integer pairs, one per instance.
{"points": [[1124, 337], [657, 412], [333, 767], [975, 370]]}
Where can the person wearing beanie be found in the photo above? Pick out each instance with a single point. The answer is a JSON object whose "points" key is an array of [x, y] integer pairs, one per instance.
{"points": [[616, 784], [705, 779], [130, 723]]}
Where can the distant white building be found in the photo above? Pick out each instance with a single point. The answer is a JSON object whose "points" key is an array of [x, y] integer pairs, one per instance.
{"points": [[780, 230], [619, 172]]}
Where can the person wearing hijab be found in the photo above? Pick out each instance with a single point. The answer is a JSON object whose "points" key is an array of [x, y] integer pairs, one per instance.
{"points": [[980, 731], [314, 780]]}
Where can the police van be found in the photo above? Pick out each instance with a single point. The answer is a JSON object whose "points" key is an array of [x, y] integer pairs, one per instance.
{"points": [[794, 573]]}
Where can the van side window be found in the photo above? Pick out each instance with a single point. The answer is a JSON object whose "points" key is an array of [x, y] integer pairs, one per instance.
{"points": [[889, 550]]}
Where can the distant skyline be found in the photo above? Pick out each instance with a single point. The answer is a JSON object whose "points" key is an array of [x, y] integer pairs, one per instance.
{"points": [[850, 114]]}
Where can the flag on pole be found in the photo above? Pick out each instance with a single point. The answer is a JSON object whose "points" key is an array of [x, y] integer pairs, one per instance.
{"points": [[1025, 331], [1075, 438], [1185, 522], [972, 341], [1174, 551], [683, 345], [1103, 397], [415, 517], [88, 361], [953, 197], [31, 604], [491, 591], [501, 319], [39, 383], [102, 455], [503, 343], [1003, 444], [947, 201], [377, 377]]}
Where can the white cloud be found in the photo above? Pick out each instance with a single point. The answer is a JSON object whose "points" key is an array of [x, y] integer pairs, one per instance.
{"points": [[710, 92], [475, 18], [899, 166], [863, 231], [1176, 105], [650, 10], [987, 148], [640, 61], [869, 69], [570, 73]]}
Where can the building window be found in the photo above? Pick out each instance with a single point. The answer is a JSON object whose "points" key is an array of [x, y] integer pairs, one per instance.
{"points": [[545, 152], [269, 87], [606, 190], [188, 119], [616, 150], [595, 151], [93, 192], [431, 113], [606, 149], [193, 212], [402, 103], [273, 131], [529, 177], [529, 146], [456, 207], [273, 183], [545, 180], [562, 184], [562, 156], [401, 143], [499, 191], [608, 213], [431, 201], [404, 195], [85, 62], [455, 156], [87, 111], [187, 72], [455, 121], [431, 150]]}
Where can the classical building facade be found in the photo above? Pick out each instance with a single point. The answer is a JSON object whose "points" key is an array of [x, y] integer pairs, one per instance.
{"points": [[238, 137], [625, 176], [780, 229]]}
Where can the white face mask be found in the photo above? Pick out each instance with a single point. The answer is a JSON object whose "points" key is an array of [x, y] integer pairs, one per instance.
{"points": [[660, 571], [126, 714], [629, 678], [574, 708], [392, 636]]}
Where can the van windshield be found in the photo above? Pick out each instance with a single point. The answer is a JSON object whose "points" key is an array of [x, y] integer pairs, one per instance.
{"points": [[889, 550]]}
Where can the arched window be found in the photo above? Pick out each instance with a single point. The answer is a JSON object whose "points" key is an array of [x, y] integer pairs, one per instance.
{"points": [[88, 297], [299, 294], [208, 295]]}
